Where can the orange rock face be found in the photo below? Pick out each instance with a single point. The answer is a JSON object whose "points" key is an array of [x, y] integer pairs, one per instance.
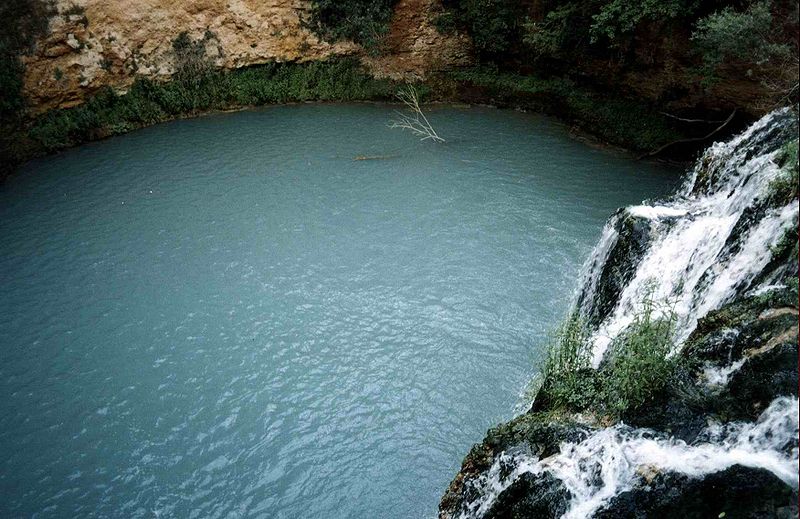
{"points": [[96, 43]]}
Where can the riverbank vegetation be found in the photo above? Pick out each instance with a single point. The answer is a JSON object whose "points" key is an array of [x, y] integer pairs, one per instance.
{"points": [[625, 122], [704, 40], [204, 89]]}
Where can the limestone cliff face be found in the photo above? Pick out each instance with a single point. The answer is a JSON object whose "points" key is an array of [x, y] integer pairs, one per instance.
{"points": [[414, 47], [96, 43]]}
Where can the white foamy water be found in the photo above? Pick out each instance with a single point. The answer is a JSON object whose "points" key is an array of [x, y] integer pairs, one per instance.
{"points": [[690, 257], [706, 245], [719, 376], [610, 461]]}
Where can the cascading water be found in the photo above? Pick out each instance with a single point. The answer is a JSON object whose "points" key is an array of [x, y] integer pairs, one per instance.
{"points": [[611, 460], [707, 245]]}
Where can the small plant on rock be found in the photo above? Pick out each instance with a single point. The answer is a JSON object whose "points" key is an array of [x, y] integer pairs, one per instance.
{"points": [[638, 364]]}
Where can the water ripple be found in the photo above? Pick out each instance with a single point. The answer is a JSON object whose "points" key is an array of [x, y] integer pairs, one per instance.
{"points": [[228, 317]]}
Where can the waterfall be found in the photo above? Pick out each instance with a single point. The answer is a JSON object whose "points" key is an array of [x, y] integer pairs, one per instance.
{"points": [[610, 460], [706, 245]]}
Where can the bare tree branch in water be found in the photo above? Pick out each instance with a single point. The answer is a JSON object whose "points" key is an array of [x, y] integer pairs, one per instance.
{"points": [[415, 121], [696, 139]]}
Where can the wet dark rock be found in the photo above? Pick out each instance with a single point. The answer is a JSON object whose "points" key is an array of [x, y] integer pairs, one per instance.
{"points": [[737, 492], [762, 379], [538, 434], [781, 130], [724, 335], [634, 237], [531, 495], [753, 329]]}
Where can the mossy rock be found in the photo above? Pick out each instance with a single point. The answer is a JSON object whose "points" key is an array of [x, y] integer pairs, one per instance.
{"points": [[634, 235], [538, 434]]}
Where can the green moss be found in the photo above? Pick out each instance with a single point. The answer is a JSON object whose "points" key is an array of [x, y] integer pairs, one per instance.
{"points": [[785, 188], [786, 245]]}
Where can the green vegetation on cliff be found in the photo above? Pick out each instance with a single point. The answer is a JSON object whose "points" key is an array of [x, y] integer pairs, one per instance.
{"points": [[624, 122], [362, 21], [148, 102], [699, 42], [25, 20]]}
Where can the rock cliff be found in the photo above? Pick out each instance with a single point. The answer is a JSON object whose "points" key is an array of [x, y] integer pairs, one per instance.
{"points": [[92, 44]]}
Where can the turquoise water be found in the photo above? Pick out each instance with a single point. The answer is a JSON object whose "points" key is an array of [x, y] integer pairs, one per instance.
{"points": [[230, 317]]}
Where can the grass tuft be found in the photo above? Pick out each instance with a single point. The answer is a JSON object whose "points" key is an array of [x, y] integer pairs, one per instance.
{"points": [[638, 365]]}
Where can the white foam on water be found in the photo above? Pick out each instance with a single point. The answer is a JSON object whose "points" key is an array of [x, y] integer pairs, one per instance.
{"points": [[612, 460], [720, 375]]}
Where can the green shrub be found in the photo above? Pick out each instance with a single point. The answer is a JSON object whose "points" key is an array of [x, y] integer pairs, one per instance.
{"points": [[746, 37], [192, 65], [729, 34], [494, 25], [362, 21], [616, 120], [550, 36], [569, 378], [619, 17], [638, 365], [558, 27]]}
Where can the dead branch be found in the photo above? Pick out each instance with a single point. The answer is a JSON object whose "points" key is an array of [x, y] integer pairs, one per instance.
{"points": [[696, 139], [414, 121], [682, 119]]}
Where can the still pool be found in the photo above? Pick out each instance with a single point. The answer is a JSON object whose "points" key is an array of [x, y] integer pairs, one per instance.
{"points": [[231, 316]]}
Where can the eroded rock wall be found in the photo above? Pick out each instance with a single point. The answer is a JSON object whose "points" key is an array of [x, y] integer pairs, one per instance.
{"points": [[96, 43]]}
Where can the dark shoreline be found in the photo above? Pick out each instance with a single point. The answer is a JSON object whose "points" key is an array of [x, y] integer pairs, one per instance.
{"points": [[106, 113]]}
